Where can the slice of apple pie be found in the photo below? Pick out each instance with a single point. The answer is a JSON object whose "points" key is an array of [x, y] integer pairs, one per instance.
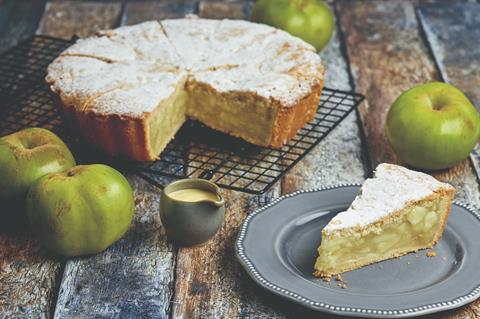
{"points": [[396, 212]]}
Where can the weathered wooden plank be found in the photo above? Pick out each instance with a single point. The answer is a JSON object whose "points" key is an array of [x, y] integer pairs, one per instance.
{"points": [[338, 158], [138, 11], [452, 31], [28, 275], [222, 9], [18, 21], [134, 277], [131, 279], [387, 56], [210, 282], [68, 18]]}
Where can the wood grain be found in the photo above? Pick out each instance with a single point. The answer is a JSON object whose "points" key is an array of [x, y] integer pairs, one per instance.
{"points": [[210, 283], [68, 18], [387, 56], [222, 9], [139, 11], [338, 158], [28, 275], [453, 31], [131, 279], [28, 278], [18, 21], [134, 277]]}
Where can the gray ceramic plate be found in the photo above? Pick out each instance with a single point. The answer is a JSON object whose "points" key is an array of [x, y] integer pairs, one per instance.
{"points": [[277, 246]]}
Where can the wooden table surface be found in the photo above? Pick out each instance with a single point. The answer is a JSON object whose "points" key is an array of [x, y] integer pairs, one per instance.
{"points": [[380, 49]]}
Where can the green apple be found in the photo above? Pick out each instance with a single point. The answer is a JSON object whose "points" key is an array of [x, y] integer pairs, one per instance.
{"points": [[26, 156], [80, 211], [310, 20], [432, 126]]}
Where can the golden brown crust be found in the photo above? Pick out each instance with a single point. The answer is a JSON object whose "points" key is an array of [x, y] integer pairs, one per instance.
{"points": [[128, 136], [291, 119], [448, 193], [116, 135]]}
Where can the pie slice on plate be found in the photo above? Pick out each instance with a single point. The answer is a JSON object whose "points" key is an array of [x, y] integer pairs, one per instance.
{"points": [[396, 212]]}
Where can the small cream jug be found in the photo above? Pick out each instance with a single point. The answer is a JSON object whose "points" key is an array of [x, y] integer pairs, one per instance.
{"points": [[191, 210]]}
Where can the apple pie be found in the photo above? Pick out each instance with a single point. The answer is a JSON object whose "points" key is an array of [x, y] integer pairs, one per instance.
{"points": [[396, 212], [129, 90]]}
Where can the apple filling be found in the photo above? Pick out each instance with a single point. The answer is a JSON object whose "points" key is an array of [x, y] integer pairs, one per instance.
{"points": [[247, 117], [167, 119], [416, 228], [237, 114]]}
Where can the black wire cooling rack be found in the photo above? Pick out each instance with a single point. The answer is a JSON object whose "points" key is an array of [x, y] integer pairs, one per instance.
{"points": [[196, 151]]}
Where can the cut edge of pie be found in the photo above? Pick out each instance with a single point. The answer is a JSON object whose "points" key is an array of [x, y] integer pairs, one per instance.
{"points": [[249, 116], [419, 224]]}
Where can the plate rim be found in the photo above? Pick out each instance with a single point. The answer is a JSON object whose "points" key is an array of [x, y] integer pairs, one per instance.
{"points": [[252, 271]]}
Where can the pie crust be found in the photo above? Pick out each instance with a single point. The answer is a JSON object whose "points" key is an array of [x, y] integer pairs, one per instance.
{"points": [[129, 90]]}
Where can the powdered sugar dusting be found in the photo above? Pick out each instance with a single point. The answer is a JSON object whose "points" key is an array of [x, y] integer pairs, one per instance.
{"points": [[148, 41], [145, 97], [78, 79], [191, 38], [101, 48], [390, 190], [279, 86], [285, 70], [229, 55]]}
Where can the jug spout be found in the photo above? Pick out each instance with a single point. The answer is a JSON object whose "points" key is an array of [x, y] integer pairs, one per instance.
{"points": [[219, 202]]}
